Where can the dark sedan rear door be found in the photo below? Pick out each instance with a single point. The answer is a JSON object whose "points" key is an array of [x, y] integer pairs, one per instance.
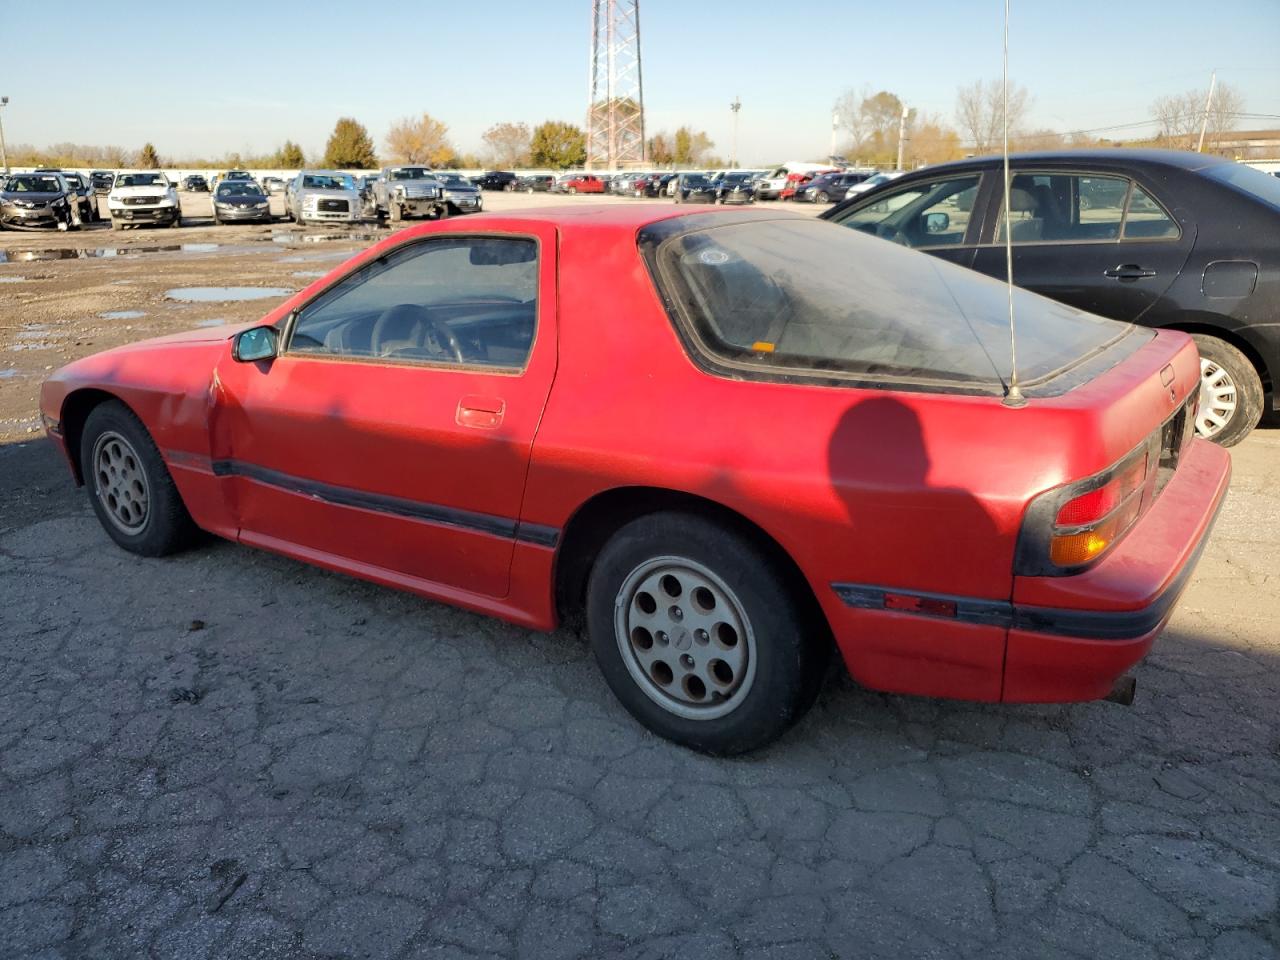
{"points": [[1096, 240]]}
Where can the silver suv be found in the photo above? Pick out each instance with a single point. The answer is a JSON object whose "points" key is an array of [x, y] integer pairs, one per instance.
{"points": [[409, 191]]}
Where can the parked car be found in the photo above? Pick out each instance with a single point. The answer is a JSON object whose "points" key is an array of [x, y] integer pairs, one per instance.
{"points": [[873, 181], [831, 187], [1182, 241], [695, 188], [30, 200], [195, 183], [535, 183], [496, 180], [467, 448], [143, 196], [229, 175], [85, 195], [238, 200], [323, 196], [460, 193], [736, 186], [406, 191], [274, 184], [580, 183], [797, 182], [101, 180], [769, 185]]}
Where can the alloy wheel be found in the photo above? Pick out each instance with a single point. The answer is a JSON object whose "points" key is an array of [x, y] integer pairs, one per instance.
{"points": [[685, 638], [1218, 399], [120, 482]]}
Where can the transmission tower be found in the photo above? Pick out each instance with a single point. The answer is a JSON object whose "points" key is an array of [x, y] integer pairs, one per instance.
{"points": [[615, 110]]}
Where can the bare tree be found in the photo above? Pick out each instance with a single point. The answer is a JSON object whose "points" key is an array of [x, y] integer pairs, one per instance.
{"points": [[419, 140], [508, 143], [1181, 115], [851, 119], [980, 112]]}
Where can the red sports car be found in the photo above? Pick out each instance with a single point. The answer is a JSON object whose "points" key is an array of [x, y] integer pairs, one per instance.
{"points": [[725, 439]]}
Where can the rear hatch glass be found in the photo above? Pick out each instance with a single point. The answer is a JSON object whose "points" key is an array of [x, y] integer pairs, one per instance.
{"points": [[810, 298]]}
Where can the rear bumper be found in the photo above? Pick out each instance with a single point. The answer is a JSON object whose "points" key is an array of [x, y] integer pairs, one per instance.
{"points": [[1071, 637], [1060, 639]]}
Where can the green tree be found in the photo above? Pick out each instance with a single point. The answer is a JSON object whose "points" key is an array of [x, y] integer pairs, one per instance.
{"points": [[659, 149], [557, 145], [148, 159], [690, 147], [349, 146], [290, 156]]}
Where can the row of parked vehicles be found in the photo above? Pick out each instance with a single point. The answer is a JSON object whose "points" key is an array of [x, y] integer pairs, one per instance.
{"points": [[65, 200], [804, 182]]}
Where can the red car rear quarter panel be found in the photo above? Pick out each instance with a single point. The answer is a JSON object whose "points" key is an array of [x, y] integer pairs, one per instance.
{"points": [[907, 490]]}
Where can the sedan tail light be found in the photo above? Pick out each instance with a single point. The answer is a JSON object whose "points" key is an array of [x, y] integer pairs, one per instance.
{"points": [[1070, 527]]}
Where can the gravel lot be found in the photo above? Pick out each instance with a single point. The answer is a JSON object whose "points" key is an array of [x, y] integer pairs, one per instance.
{"points": [[230, 754]]}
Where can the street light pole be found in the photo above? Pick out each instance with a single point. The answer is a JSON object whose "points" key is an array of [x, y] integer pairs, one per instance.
{"points": [[735, 107], [902, 133], [4, 157]]}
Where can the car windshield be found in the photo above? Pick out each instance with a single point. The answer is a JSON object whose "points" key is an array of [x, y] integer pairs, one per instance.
{"points": [[325, 182], [33, 184], [736, 177], [411, 173], [141, 180], [793, 296], [455, 179], [695, 180], [238, 175], [1248, 180], [238, 190]]}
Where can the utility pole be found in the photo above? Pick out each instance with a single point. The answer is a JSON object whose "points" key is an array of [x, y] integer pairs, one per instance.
{"points": [[4, 157], [902, 134], [1204, 124], [735, 107]]}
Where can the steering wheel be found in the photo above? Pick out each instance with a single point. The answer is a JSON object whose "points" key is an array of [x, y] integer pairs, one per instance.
{"points": [[406, 324], [887, 231]]}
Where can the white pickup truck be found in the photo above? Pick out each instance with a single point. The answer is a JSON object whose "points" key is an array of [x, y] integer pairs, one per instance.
{"points": [[144, 196]]}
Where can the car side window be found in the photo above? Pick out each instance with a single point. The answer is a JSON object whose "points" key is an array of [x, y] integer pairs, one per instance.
{"points": [[1064, 208], [462, 301], [1147, 220], [935, 213]]}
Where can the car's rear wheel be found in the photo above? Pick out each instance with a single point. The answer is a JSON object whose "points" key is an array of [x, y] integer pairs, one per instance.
{"points": [[822, 197], [129, 486], [699, 634], [1230, 392]]}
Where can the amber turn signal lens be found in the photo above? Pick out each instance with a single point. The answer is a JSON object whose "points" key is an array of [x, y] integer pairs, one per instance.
{"points": [[1077, 548]]}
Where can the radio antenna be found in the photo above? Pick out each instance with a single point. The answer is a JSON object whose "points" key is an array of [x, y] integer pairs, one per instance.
{"points": [[1013, 396]]}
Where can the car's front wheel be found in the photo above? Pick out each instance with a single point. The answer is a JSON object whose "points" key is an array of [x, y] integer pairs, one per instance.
{"points": [[129, 486], [1230, 392], [701, 635]]}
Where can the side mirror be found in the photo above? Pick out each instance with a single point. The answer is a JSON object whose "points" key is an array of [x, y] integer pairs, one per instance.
{"points": [[259, 343], [936, 222]]}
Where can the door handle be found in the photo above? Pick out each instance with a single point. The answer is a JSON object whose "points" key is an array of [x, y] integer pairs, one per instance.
{"points": [[1129, 271], [483, 413]]}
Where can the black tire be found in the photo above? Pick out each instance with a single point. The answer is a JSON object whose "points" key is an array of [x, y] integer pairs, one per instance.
{"points": [[1248, 387], [176, 221], [571, 191], [791, 650], [167, 526], [822, 197]]}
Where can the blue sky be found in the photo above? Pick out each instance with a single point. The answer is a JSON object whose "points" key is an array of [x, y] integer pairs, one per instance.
{"points": [[234, 75]]}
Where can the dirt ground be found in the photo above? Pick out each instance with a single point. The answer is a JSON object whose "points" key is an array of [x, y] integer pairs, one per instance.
{"points": [[230, 754]]}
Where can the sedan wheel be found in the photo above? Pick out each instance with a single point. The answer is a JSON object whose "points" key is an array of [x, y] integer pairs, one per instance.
{"points": [[120, 483], [1230, 392], [129, 485], [701, 635], [685, 638]]}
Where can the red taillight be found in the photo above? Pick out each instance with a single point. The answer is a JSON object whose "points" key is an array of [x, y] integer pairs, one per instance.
{"points": [[1097, 504]]}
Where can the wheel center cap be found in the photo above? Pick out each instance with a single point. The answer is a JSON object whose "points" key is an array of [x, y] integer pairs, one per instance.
{"points": [[682, 639]]}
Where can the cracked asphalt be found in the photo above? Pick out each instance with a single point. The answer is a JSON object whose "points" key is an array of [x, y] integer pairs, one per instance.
{"points": [[230, 754]]}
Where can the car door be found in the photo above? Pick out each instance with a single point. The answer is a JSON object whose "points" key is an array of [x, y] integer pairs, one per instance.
{"points": [[936, 216], [392, 433], [1096, 240]]}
